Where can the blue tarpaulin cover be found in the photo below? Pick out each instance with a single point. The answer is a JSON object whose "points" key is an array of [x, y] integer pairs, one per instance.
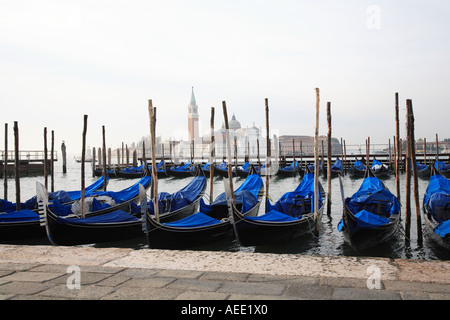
{"points": [[366, 219], [371, 192], [369, 195], [195, 220], [290, 202], [246, 194], [291, 167], [273, 216], [437, 185], [359, 166], [75, 195], [441, 166], [183, 168], [19, 216], [443, 228], [181, 198], [7, 206], [337, 165], [111, 217], [119, 197]]}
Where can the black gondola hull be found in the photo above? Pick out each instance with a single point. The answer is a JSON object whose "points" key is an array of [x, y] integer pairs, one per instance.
{"points": [[364, 238], [161, 236], [430, 224]]}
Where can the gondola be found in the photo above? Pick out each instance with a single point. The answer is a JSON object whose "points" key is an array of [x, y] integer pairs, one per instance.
{"points": [[436, 209], [182, 171], [243, 171], [423, 170], [357, 170], [371, 215], [119, 224], [291, 170], [291, 217], [222, 170], [103, 225], [206, 168], [210, 223], [380, 170], [336, 169], [443, 168], [184, 202], [138, 172], [25, 222], [98, 172], [311, 167]]}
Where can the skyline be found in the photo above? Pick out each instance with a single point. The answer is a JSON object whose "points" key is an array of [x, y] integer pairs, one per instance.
{"points": [[63, 59]]}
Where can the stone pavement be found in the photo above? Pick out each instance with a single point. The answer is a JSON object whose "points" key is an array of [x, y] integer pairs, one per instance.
{"points": [[87, 273]]}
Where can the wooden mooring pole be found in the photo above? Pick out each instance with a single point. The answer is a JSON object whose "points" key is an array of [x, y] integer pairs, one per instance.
{"points": [[268, 155], [83, 157], [211, 157], [5, 168], [329, 158], [105, 173], [16, 164], [408, 178], [152, 118], [414, 168], [316, 167], [227, 141], [398, 153]]}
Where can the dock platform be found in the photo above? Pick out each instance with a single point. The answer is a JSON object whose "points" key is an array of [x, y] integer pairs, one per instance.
{"points": [[44, 272]]}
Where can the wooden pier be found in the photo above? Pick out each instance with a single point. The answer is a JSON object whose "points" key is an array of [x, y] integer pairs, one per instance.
{"points": [[31, 162]]}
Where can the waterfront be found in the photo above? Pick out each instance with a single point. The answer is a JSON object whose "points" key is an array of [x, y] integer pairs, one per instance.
{"points": [[329, 243]]}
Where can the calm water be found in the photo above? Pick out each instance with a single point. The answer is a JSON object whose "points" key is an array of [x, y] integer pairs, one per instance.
{"points": [[329, 242]]}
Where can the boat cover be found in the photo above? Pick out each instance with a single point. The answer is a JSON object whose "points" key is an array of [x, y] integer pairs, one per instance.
{"points": [[359, 166], [337, 165], [183, 168], [111, 217], [19, 216], [246, 194], [117, 196], [443, 228], [177, 200], [291, 202], [437, 184], [193, 221], [75, 195], [370, 193], [437, 195], [273, 216], [441, 166], [366, 219], [7, 206], [420, 166], [291, 167]]}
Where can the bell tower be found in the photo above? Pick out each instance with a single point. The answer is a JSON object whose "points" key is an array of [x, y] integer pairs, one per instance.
{"points": [[193, 118]]}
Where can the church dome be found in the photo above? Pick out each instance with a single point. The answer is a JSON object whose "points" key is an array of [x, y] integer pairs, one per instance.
{"points": [[234, 124]]}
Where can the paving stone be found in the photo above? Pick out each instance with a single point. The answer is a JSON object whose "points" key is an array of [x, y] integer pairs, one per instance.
{"points": [[23, 287], [195, 285], [86, 292], [31, 276], [253, 288]]}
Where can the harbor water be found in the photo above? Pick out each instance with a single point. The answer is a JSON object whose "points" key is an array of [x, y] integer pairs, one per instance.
{"points": [[329, 242]]}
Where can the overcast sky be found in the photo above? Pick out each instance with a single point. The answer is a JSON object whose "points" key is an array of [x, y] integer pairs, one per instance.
{"points": [[62, 59]]}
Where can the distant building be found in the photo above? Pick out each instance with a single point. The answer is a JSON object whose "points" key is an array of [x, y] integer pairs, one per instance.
{"points": [[193, 118], [291, 143]]}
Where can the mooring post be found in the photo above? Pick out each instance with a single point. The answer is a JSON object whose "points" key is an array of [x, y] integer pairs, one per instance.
{"points": [[316, 167], [329, 158], [5, 168], [17, 164], [414, 168], [83, 158]]}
